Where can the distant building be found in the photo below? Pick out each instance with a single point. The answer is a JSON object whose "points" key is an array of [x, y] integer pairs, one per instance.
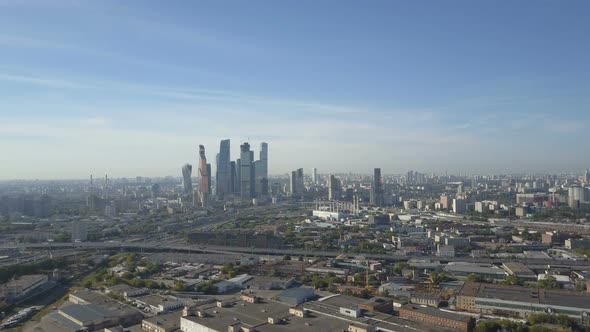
{"points": [[296, 185], [204, 177], [459, 206], [573, 244], [247, 188], [577, 196], [79, 231], [187, 182], [447, 251], [224, 176], [521, 211], [481, 207], [334, 188], [376, 194], [445, 202], [314, 175], [261, 171]]}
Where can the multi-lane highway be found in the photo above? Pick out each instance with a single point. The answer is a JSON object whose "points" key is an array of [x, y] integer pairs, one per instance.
{"points": [[180, 247]]}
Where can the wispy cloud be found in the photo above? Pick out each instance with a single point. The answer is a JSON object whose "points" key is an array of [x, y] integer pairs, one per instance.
{"points": [[46, 82], [190, 94]]}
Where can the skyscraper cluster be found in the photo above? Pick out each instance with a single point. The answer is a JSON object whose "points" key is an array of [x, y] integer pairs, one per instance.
{"points": [[414, 177], [251, 175], [245, 177]]}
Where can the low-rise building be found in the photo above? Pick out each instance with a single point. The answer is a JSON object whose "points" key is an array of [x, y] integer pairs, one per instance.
{"points": [[520, 301], [485, 271], [160, 304], [427, 299], [520, 271], [296, 296], [21, 287], [377, 304], [162, 323], [437, 317], [126, 290]]}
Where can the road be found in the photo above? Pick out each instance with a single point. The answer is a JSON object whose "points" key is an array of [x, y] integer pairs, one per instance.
{"points": [[172, 247]]}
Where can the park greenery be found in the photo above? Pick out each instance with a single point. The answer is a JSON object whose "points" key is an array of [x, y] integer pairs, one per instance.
{"points": [[535, 323]]}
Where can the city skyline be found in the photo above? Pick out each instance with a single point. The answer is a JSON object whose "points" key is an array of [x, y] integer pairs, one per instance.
{"points": [[461, 94]]}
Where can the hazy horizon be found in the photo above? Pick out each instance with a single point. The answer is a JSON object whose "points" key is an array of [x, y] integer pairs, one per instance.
{"points": [[132, 88]]}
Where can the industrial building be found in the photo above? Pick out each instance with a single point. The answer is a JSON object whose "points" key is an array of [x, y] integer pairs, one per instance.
{"points": [[520, 301], [21, 287], [437, 317], [266, 315]]}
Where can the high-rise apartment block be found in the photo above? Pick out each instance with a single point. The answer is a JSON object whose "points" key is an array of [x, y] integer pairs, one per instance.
{"points": [[376, 194]]}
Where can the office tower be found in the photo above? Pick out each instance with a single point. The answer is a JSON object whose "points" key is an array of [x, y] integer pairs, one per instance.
{"points": [[459, 205], [156, 190], [376, 197], [209, 182], [246, 172], [296, 186], [238, 184], [204, 177], [333, 188], [293, 182], [232, 178], [224, 171], [410, 177], [314, 176], [299, 185], [79, 231], [261, 170], [576, 196], [187, 182]]}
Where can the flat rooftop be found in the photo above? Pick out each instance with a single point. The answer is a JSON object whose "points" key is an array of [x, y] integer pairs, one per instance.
{"points": [[156, 300], [518, 269], [436, 312], [527, 295], [257, 314], [167, 321]]}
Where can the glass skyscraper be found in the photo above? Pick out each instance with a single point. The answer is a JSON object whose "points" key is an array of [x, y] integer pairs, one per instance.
{"points": [[224, 171]]}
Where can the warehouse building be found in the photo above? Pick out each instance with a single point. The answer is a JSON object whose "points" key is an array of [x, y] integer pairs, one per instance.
{"points": [[437, 317], [520, 301]]}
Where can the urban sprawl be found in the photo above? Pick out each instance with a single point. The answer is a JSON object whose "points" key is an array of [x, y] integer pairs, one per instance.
{"points": [[225, 246]]}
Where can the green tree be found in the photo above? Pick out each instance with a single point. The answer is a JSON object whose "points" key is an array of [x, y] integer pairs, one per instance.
{"points": [[474, 278], [549, 283], [398, 267], [512, 280]]}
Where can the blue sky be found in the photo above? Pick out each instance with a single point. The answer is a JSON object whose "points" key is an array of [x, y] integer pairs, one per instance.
{"points": [[133, 87]]}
